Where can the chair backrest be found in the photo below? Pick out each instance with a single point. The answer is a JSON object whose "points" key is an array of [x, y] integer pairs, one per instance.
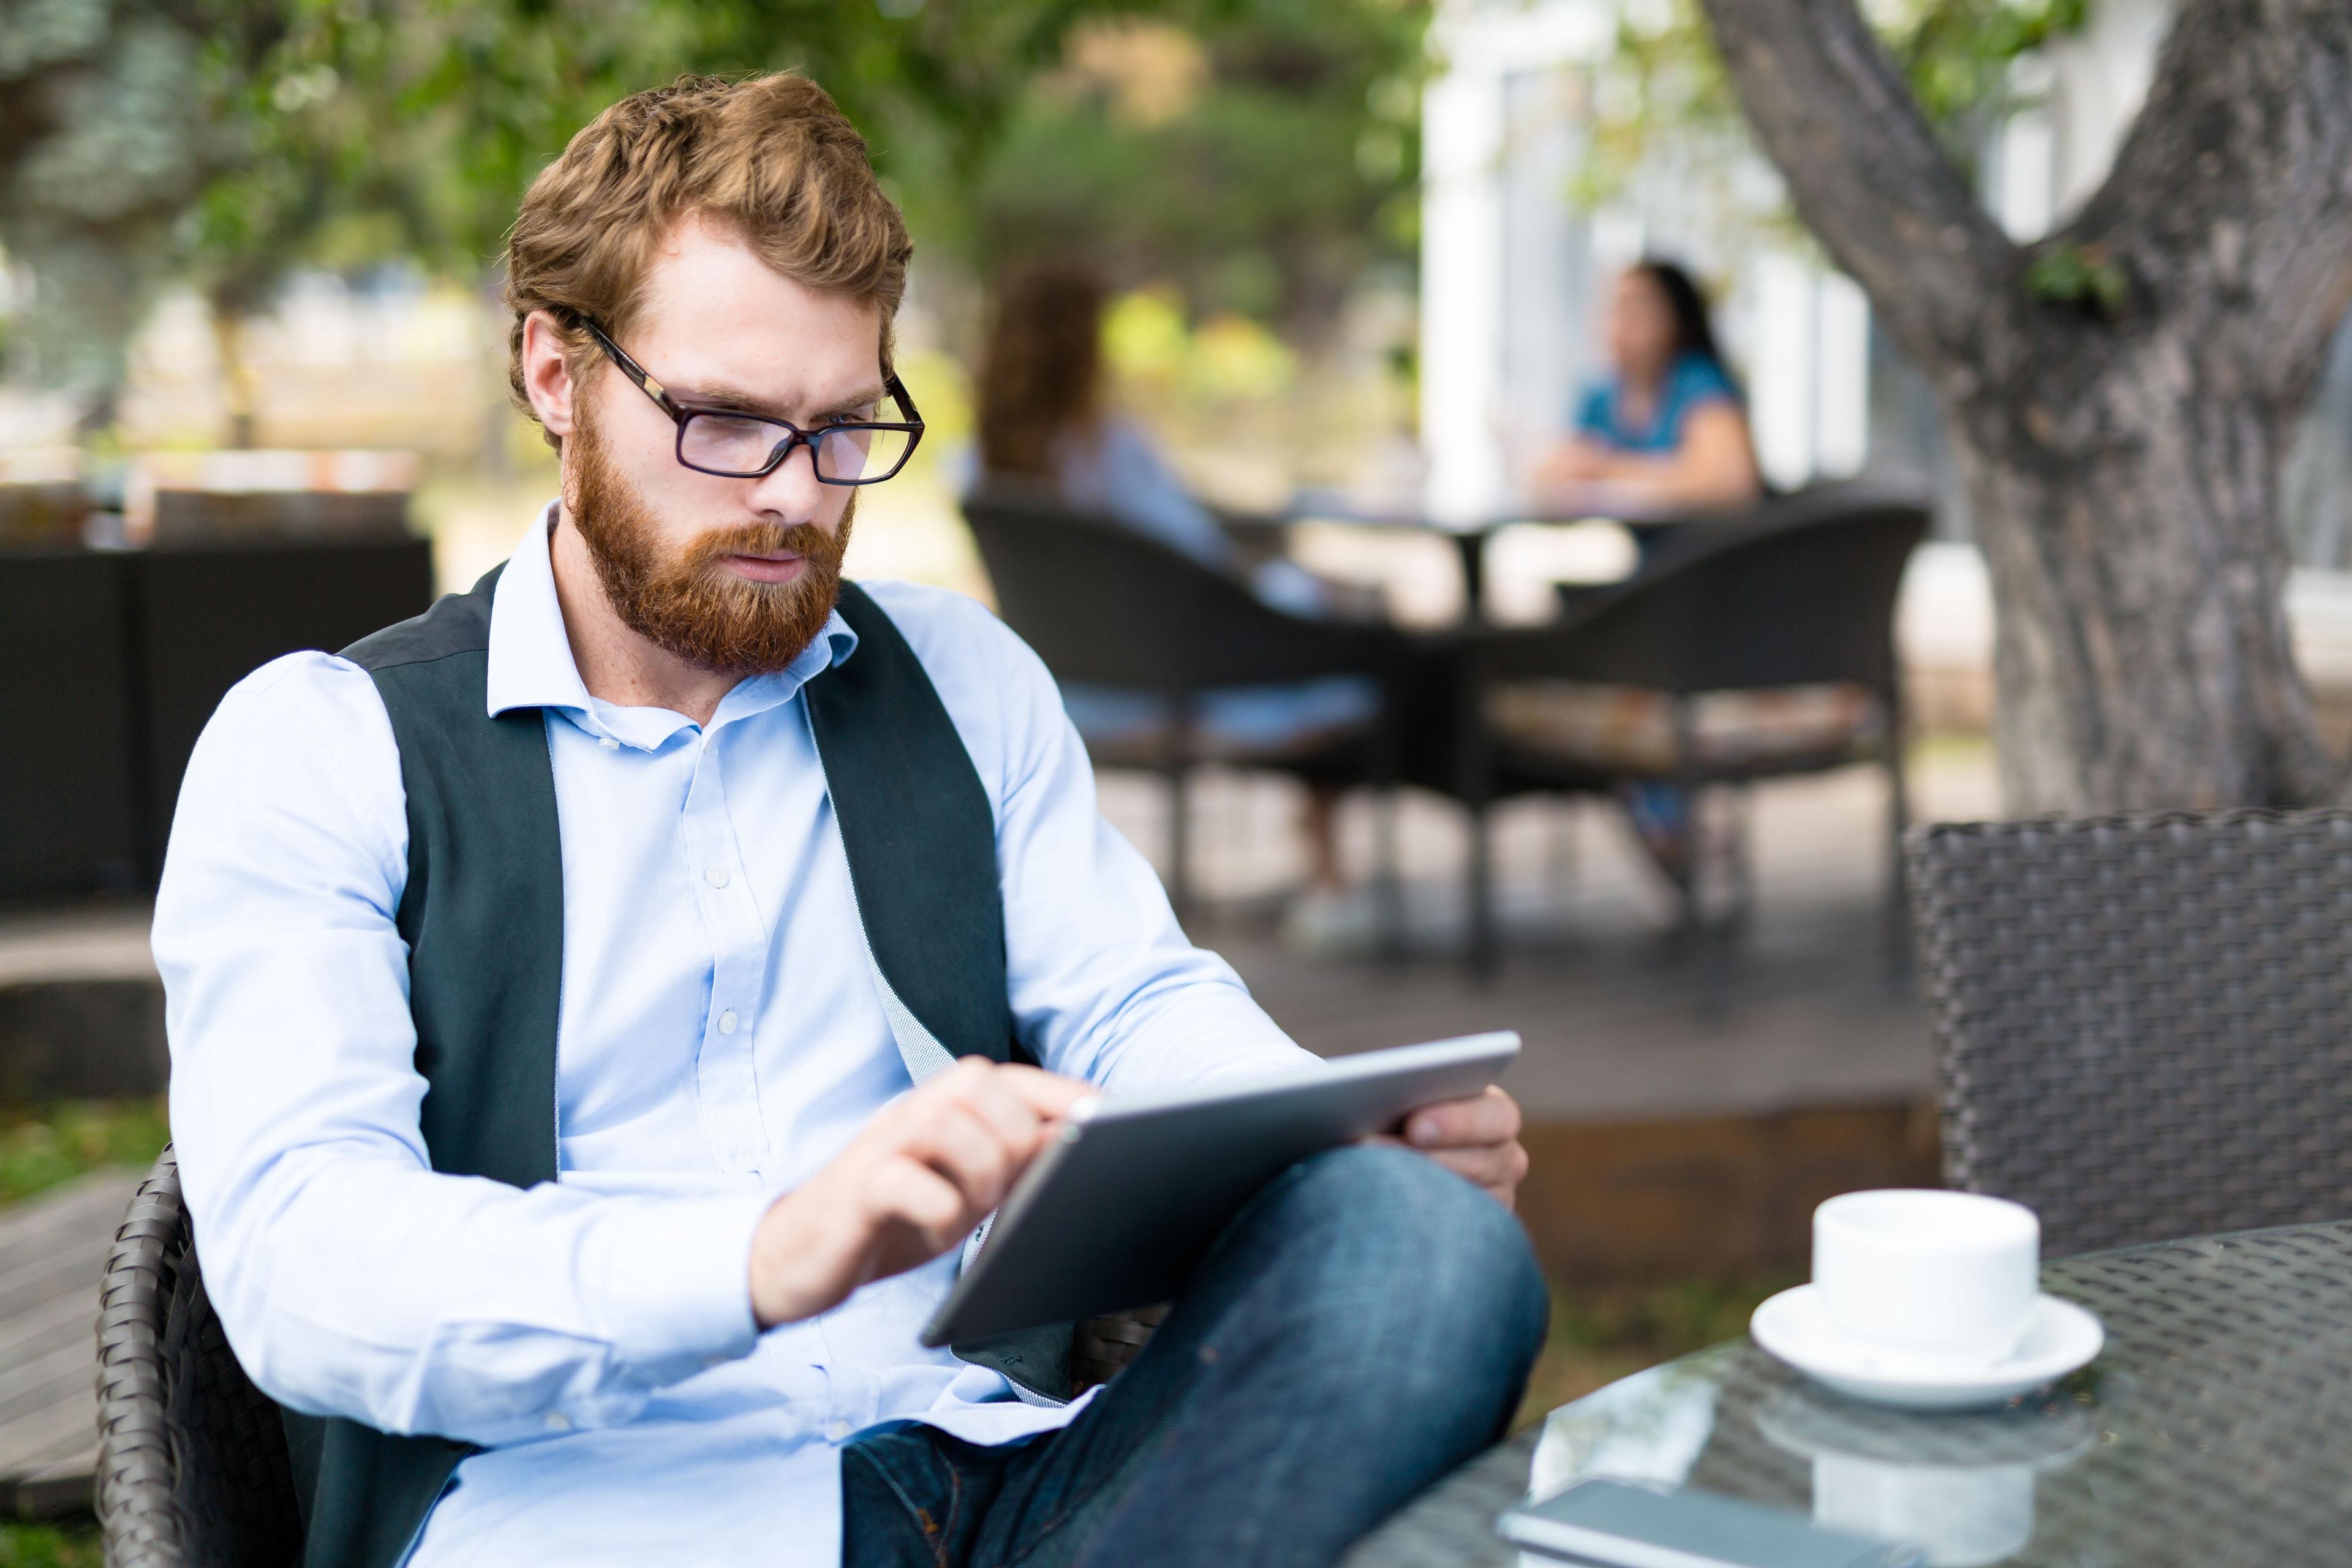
{"points": [[1101, 602], [1801, 590], [2143, 1025], [192, 1469]]}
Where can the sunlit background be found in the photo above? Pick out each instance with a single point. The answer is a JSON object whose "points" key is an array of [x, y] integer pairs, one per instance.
{"points": [[1357, 247]]}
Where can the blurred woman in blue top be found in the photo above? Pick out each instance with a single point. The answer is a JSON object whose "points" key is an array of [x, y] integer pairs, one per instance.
{"points": [[1045, 418], [1664, 433], [1666, 429]]}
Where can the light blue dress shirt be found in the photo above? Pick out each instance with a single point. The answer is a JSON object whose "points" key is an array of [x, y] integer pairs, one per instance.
{"points": [[720, 1039]]}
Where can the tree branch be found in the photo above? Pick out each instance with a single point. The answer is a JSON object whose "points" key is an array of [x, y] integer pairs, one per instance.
{"points": [[2233, 190], [1866, 173]]}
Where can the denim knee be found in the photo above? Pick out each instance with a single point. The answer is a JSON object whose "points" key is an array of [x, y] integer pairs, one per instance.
{"points": [[1451, 1268]]}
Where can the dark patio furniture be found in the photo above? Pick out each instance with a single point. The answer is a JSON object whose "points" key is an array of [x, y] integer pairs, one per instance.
{"points": [[204, 617], [69, 791], [111, 663], [2210, 1431], [192, 1468], [287, 516], [2143, 1025], [1104, 606], [1799, 594]]}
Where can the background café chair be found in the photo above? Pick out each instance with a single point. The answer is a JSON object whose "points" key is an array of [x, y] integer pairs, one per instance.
{"points": [[1747, 648], [192, 1466], [2143, 1025], [1108, 607]]}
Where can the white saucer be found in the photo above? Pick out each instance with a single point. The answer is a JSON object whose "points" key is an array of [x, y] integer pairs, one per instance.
{"points": [[2060, 1338]]}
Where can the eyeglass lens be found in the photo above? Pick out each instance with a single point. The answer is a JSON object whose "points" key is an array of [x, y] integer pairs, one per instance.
{"points": [[730, 444]]}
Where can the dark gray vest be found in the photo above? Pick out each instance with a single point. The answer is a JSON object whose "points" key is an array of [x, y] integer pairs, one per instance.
{"points": [[483, 918]]}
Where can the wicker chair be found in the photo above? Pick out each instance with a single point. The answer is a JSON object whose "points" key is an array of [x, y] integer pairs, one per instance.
{"points": [[192, 1469], [192, 1463], [1799, 593], [2143, 1025]]}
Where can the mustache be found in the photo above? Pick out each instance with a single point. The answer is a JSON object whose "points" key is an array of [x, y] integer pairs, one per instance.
{"points": [[806, 539]]}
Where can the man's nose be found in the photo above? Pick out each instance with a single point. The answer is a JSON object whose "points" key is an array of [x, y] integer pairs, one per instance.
{"points": [[791, 490]]}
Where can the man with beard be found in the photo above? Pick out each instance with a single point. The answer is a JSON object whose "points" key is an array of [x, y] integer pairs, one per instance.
{"points": [[566, 991]]}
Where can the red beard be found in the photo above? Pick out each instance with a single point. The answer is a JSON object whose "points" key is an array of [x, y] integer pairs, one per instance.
{"points": [[687, 604]]}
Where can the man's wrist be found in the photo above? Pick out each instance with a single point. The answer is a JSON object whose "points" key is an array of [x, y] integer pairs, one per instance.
{"points": [[787, 1275]]}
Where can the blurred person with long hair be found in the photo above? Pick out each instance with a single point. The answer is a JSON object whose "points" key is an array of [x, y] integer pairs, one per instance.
{"points": [[1667, 428], [1045, 418], [1663, 433]]}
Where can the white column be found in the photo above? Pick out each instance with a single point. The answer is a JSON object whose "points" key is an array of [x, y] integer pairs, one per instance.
{"points": [[1460, 290], [1780, 398], [1842, 384]]}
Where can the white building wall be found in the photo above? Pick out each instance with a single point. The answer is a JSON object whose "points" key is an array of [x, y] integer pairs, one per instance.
{"points": [[1513, 272]]}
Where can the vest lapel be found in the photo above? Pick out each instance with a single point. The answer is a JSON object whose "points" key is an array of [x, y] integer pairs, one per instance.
{"points": [[920, 836], [921, 840]]}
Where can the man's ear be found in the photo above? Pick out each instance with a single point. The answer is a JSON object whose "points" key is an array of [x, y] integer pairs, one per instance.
{"points": [[547, 374]]}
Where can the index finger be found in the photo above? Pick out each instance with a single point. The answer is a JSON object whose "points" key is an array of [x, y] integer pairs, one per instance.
{"points": [[1492, 1117], [1048, 1094]]}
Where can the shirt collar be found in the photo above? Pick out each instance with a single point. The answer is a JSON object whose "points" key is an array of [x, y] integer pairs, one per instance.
{"points": [[531, 662]]}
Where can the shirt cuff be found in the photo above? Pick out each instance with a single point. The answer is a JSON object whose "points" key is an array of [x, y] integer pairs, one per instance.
{"points": [[677, 1277]]}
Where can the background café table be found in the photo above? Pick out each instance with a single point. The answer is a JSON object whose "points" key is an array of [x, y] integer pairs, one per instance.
{"points": [[1470, 532], [2214, 1431]]}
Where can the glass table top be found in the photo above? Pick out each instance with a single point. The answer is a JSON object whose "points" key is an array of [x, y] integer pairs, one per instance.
{"points": [[2215, 1429]]}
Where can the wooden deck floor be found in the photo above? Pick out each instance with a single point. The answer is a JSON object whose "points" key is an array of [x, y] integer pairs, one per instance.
{"points": [[52, 1252]]}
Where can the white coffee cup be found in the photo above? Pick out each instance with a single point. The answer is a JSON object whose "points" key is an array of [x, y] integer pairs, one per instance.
{"points": [[1927, 1275]]}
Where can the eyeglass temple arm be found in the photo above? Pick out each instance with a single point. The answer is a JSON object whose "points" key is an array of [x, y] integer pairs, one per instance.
{"points": [[898, 389], [632, 369]]}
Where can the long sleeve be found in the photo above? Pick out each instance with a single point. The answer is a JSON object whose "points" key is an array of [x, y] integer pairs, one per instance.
{"points": [[351, 1278], [1104, 985]]}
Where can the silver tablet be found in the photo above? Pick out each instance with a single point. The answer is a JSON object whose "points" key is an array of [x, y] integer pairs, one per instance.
{"points": [[1132, 1192]]}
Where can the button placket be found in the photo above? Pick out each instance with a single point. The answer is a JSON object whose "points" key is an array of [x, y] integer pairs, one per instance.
{"points": [[727, 1080]]}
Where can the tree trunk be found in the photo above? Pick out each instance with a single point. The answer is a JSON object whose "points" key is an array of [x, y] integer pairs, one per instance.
{"points": [[2142, 655], [2124, 446], [239, 399]]}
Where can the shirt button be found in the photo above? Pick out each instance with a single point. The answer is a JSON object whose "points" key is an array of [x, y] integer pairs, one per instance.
{"points": [[727, 1022], [716, 876], [609, 743], [837, 1431], [558, 1422]]}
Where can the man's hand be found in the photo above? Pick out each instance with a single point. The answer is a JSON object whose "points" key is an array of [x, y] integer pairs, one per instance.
{"points": [[1477, 1138], [911, 1184]]}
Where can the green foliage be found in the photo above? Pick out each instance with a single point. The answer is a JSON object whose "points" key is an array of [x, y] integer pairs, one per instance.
{"points": [[105, 140], [74, 1546], [229, 141], [1664, 82], [45, 1148], [1287, 164], [1957, 54], [2070, 274]]}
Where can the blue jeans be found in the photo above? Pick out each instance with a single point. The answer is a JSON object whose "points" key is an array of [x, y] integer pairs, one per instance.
{"points": [[1363, 1327]]}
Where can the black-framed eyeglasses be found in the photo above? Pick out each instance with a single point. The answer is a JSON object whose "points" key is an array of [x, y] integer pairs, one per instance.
{"points": [[735, 445]]}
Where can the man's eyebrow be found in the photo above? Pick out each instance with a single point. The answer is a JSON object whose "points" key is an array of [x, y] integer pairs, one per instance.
{"points": [[736, 401]]}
